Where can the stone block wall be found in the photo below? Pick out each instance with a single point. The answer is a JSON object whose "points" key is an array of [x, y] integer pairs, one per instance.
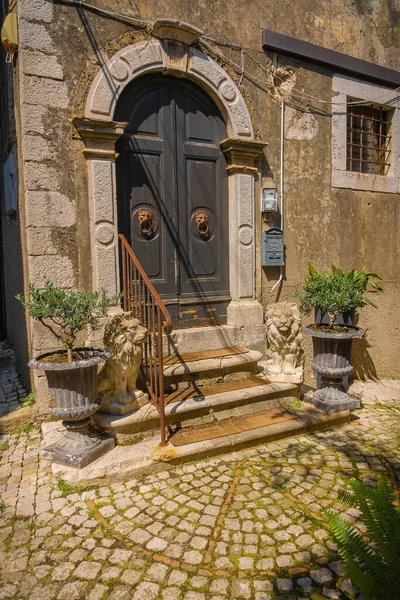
{"points": [[45, 141]]}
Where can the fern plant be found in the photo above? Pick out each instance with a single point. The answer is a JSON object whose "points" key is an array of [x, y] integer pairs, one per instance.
{"points": [[373, 566]]}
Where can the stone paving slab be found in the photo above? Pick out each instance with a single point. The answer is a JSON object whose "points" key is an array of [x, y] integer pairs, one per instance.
{"points": [[246, 525]]}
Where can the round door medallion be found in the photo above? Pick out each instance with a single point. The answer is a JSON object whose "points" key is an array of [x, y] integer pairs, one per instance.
{"points": [[104, 234], [246, 235]]}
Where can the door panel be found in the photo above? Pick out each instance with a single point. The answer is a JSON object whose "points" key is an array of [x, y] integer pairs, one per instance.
{"points": [[172, 195], [197, 125], [202, 243], [146, 115], [148, 245]]}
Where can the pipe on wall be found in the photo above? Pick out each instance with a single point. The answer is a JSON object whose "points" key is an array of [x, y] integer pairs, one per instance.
{"points": [[282, 194]]}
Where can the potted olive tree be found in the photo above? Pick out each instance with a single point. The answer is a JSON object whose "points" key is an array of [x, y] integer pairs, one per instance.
{"points": [[71, 372], [334, 297]]}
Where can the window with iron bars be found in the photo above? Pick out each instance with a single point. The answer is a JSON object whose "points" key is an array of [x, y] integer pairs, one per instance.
{"points": [[368, 139]]}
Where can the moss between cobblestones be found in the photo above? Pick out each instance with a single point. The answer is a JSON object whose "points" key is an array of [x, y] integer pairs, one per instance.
{"points": [[264, 469]]}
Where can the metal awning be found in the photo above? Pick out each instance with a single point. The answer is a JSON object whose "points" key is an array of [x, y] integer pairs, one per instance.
{"points": [[335, 61]]}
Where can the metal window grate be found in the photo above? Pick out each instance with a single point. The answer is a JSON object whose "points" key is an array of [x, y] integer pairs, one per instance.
{"points": [[368, 140]]}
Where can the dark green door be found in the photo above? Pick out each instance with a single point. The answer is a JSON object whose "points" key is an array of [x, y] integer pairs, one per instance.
{"points": [[172, 195]]}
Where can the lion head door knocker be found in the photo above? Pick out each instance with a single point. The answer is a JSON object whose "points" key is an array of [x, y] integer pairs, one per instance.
{"points": [[202, 224], [145, 220]]}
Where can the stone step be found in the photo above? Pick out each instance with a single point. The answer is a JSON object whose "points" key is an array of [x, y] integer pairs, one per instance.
{"points": [[147, 457], [231, 425], [199, 406], [200, 339], [206, 369]]}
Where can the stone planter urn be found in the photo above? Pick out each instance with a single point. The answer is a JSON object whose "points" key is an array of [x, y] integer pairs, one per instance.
{"points": [[73, 392], [332, 355]]}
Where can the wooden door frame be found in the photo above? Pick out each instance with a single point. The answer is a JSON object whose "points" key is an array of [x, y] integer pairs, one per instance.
{"points": [[100, 132]]}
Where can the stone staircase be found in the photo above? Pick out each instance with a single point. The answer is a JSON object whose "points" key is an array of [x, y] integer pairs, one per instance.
{"points": [[216, 401], [211, 395]]}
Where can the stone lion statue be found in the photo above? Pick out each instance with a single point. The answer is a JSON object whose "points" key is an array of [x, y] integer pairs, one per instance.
{"points": [[123, 337], [284, 355]]}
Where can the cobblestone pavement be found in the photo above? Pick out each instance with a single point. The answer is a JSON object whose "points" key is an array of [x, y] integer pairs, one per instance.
{"points": [[245, 525], [12, 390]]}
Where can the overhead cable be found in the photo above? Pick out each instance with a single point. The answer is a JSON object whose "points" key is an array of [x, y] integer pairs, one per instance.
{"points": [[210, 43]]}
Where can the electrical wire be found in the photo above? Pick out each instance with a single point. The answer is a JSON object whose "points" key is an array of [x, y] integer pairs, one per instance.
{"points": [[104, 11], [210, 43], [237, 67], [386, 99]]}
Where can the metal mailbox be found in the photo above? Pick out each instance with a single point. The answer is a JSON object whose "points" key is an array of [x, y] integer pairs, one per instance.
{"points": [[273, 252]]}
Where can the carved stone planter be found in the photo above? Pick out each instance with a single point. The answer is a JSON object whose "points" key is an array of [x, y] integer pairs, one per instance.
{"points": [[345, 319], [73, 392], [332, 355]]}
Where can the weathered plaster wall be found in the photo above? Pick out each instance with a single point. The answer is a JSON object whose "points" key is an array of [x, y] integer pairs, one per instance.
{"points": [[61, 50]]}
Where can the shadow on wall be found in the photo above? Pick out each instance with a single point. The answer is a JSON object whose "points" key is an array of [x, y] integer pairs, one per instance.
{"points": [[364, 367]]}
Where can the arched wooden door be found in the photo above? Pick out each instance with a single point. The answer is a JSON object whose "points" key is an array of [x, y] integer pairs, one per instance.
{"points": [[173, 196]]}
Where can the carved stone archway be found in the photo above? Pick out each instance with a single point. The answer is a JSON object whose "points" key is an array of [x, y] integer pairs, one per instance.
{"points": [[100, 132]]}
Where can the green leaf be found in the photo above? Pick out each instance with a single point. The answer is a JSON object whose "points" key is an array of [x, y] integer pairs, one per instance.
{"points": [[66, 312], [372, 562], [335, 291], [311, 269]]}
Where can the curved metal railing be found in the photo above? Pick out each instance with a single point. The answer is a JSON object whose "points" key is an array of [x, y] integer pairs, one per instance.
{"points": [[143, 301]]}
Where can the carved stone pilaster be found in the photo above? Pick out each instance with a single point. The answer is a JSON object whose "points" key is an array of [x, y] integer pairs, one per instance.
{"points": [[100, 138], [242, 155], [243, 158]]}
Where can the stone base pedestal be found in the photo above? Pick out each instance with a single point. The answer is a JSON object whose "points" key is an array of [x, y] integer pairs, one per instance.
{"points": [[245, 313], [78, 447], [296, 378], [124, 403], [332, 400]]}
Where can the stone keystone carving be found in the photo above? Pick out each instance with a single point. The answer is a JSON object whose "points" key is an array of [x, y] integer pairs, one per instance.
{"points": [[123, 337], [285, 360], [176, 30]]}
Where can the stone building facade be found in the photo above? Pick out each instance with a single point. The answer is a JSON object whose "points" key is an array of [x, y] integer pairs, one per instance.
{"points": [[58, 108]]}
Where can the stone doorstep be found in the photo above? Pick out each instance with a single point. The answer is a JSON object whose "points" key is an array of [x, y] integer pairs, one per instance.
{"points": [[147, 456], [223, 364], [146, 418], [200, 339]]}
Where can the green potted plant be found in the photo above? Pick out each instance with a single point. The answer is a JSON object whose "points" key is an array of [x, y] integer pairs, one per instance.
{"points": [[334, 297], [71, 372]]}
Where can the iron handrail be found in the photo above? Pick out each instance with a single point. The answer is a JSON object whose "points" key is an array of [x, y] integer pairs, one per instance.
{"points": [[141, 298], [167, 323]]}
